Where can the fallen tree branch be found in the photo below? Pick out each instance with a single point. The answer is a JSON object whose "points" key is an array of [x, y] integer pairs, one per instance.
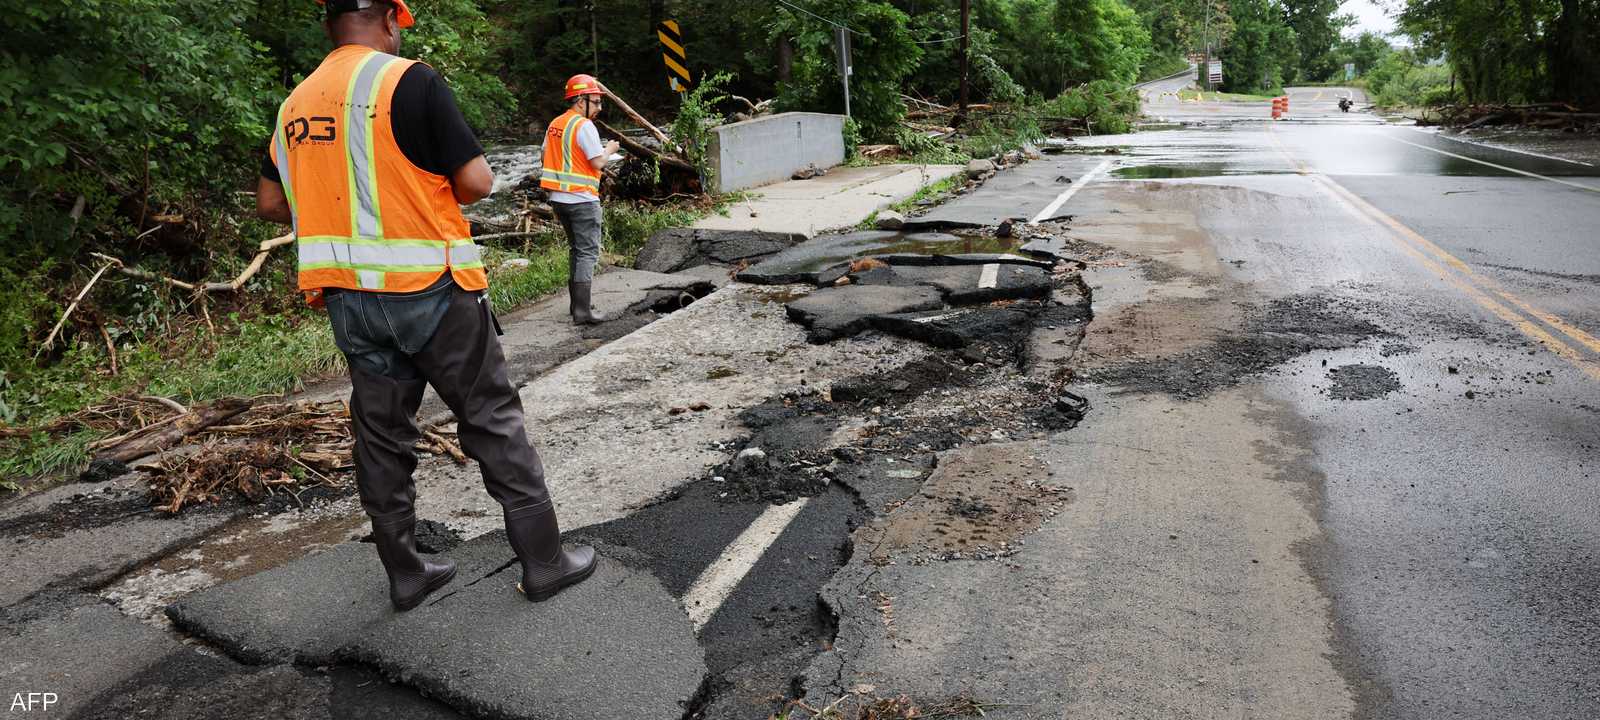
{"points": [[168, 402], [51, 338], [142, 443], [636, 117], [262, 251], [633, 146]]}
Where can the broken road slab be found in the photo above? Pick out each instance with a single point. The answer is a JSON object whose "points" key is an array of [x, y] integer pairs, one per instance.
{"points": [[615, 642], [838, 312], [81, 536], [310, 609], [617, 645], [956, 328], [678, 249], [820, 260], [42, 649]]}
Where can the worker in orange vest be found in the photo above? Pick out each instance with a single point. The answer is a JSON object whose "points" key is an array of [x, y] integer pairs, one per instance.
{"points": [[370, 162], [573, 158]]}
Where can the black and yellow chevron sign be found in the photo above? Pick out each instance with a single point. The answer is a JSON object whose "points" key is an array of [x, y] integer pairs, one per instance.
{"points": [[672, 54]]}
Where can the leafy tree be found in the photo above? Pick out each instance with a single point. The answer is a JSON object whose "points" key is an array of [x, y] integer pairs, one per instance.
{"points": [[1521, 50], [1364, 51], [883, 54], [1316, 29], [1261, 48]]}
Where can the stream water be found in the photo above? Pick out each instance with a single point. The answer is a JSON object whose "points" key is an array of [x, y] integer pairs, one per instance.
{"points": [[511, 165]]}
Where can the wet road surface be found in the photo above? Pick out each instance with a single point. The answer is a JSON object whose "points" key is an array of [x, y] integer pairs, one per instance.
{"points": [[1449, 448]]}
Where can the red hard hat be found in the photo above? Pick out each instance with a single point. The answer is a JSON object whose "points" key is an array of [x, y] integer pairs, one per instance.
{"points": [[401, 12], [583, 85]]}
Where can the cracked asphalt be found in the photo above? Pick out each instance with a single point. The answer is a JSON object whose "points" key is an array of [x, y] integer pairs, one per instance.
{"points": [[1293, 420]]}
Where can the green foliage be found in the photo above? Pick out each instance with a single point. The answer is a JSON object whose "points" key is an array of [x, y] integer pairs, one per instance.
{"points": [[883, 54], [1401, 79], [1316, 30], [1262, 52], [851, 133], [1050, 45], [628, 225], [1107, 107], [1364, 51], [691, 129], [927, 150], [456, 39], [1512, 52]]}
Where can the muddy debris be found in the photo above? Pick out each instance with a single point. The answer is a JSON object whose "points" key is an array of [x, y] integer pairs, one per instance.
{"points": [[1362, 382], [1272, 334], [977, 505]]}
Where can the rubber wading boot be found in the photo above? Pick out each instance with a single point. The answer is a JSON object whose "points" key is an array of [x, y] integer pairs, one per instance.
{"points": [[411, 577], [546, 566], [581, 308]]}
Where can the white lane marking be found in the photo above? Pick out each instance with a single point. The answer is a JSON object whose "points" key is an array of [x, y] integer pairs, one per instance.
{"points": [[990, 276], [1579, 186], [716, 583], [1498, 147], [1061, 199]]}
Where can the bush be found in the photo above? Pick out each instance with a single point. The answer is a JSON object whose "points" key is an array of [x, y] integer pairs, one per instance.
{"points": [[1401, 79], [1106, 107]]}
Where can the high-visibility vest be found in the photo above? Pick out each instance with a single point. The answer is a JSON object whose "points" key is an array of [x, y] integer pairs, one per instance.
{"points": [[365, 217], [566, 168]]}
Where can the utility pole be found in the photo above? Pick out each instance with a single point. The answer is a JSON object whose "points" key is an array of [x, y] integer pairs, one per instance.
{"points": [[594, 40], [966, 24], [1205, 34]]}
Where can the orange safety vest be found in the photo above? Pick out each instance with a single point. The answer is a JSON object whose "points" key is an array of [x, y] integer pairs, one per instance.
{"points": [[365, 218], [566, 168]]}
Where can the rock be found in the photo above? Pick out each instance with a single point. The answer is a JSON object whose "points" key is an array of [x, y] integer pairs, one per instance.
{"points": [[1004, 231], [516, 264], [890, 220], [1013, 158], [979, 168], [808, 172], [752, 458], [1031, 151]]}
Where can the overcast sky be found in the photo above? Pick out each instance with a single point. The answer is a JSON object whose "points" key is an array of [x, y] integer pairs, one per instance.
{"points": [[1369, 15]]}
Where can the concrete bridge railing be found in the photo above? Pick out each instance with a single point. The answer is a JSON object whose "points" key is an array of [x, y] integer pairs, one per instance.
{"points": [[768, 149]]}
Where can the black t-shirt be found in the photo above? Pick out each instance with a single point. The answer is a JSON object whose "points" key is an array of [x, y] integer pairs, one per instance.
{"points": [[427, 125]]}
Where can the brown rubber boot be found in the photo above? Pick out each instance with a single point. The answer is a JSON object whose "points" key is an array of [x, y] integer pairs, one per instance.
{"points": [[411, 578], [580, 306], [546, 566]]}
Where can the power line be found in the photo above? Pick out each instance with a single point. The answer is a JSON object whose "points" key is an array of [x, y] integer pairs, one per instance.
{"points": [[836, 24], [952, 38]]}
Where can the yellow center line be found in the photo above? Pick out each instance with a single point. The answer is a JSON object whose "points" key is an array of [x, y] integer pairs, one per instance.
{"points": [[1463, 279]]}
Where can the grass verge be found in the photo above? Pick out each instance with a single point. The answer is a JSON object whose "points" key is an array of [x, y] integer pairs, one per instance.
{"points": [[934, 190]]}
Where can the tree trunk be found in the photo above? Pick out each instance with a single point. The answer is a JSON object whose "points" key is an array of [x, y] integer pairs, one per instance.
{"points": [[785, 59]]}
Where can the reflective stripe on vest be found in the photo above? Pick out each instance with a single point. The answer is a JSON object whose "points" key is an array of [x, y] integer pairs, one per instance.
{"points": [[579, 176], [362, 254]]}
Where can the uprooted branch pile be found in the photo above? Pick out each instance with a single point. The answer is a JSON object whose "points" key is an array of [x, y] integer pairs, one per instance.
{"points": [[231, 449], [1551, 115]]}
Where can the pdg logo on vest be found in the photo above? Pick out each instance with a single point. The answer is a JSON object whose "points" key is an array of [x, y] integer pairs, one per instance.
{"points": [[298, 130]]}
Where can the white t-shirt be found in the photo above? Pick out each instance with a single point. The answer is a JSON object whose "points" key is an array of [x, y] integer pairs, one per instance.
{"points": [[589, 143]]}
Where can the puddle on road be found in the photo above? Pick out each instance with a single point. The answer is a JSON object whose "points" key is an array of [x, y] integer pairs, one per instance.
{"points": [[1190, 170], [857, 245], [242, 548]]}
